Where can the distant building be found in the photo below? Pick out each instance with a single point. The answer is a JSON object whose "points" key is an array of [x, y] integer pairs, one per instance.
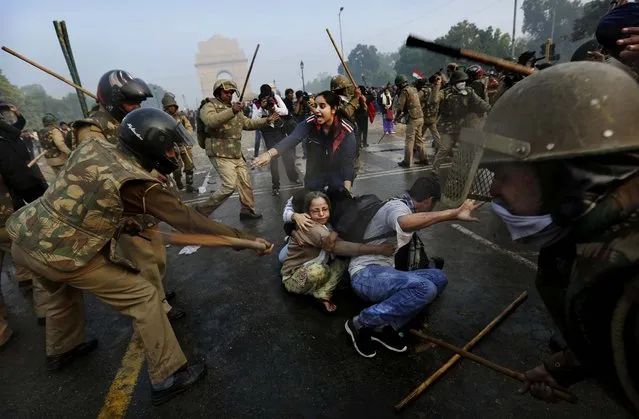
{"points": [[221, 58]]}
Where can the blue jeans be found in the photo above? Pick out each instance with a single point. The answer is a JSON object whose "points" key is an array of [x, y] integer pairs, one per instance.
{"points": [[398, 295], [283, 253]]}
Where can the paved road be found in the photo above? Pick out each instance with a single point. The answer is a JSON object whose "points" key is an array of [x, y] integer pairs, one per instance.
{"points": [[271, 354]]}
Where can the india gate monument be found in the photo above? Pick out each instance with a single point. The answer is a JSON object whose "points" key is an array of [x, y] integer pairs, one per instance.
{"points": [[221, 58]]}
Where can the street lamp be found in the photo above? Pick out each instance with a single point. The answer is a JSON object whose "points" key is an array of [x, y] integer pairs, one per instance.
{"points": [[302, 68], [339, 16]]}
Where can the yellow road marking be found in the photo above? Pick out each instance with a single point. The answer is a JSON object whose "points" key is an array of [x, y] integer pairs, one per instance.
{"points": [[118, 398]]}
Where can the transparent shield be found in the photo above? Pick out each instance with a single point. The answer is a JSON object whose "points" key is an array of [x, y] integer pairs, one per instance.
{"points": [[464, 179]]}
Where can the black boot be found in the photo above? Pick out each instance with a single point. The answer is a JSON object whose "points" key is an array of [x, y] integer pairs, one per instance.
{"points": [[57, 362], [183, 379], [249, 215]]}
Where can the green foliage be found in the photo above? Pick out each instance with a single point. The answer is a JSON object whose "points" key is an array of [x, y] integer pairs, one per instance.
{"points": [[463, 35], [586, 24], [33, 101], [319, 84]]}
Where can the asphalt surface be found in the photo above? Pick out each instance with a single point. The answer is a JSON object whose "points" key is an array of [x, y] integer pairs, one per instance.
{"points": [[271, 354]]}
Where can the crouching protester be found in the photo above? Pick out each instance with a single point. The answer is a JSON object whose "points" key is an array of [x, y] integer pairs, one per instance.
{"points": [[566, 179], [308, 267], [69, 236], [397, 296]]}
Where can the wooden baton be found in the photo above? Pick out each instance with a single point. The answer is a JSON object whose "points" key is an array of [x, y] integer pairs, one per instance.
{"points": [[339, 54], [560, 394], [52, 73], [36, 158], [209, 240], [452, 361], [249, 72]]}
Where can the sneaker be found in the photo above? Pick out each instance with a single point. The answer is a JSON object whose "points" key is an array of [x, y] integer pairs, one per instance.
{"points": [[390, 339], [275, 192], [403, 164], [361, 339]]}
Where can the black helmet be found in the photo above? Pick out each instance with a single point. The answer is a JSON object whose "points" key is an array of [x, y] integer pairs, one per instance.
{"points": [[458, 76], [148, 134], [117, 87]]}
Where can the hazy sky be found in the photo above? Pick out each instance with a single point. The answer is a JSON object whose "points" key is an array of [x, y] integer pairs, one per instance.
{"points": [[157, 40]]}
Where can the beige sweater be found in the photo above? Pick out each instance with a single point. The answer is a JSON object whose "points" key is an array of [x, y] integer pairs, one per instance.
{"points": [[311, 248]]}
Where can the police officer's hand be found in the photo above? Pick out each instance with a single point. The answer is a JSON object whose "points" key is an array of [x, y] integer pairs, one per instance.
{"points": [[539, 383], [464, 212], [237, 107], [358, 93], [13, 109], [302, 221], [273, 117], [269, 247]]}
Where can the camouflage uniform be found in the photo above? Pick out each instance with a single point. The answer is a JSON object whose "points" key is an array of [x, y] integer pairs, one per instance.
{"points": [[185, 152], [454, 108], [52, 141], [429, 100], [99, 124], [68, 237], [223, 145], [409, 103], [348, 107]]}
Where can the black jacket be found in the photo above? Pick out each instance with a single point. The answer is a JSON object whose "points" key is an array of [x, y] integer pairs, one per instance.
{"points": [[25, 183]]}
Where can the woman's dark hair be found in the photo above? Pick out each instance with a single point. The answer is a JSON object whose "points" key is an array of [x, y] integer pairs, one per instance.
{"points": [[298, 200], [287, 91], [310, 196], [331, 98]]}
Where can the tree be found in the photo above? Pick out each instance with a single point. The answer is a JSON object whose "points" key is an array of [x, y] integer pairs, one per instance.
{"points": [[544, 19], [586, 24], [363, 60], [320, 83], [463, 34]]}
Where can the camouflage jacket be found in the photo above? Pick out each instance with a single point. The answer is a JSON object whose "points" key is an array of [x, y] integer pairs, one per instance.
{"points": [[181, 118], [348, 107], [81, 212], [6, 203], [99, 124], [455, 106], [223, 129], [479, 86], [429, 101], [52, 141], [409, 103]]}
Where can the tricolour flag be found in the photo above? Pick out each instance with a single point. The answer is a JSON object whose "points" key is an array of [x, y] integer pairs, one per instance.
{"points": [[417, 75]]}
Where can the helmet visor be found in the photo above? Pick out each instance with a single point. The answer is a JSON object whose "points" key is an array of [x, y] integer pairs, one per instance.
{"points": [[182, 136], [469, 175]]}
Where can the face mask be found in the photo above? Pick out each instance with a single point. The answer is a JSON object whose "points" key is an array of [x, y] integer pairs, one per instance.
{"points": [[538, 230], [460, 85]]}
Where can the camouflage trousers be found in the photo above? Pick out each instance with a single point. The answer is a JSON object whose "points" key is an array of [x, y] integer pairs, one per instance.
{"points": [[186, 164], [234, 175], [414, 141], [445, 151], [430, 127], [126, 291], [317, 279]]}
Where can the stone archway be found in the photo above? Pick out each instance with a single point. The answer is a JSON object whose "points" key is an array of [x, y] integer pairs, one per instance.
{"points": [[220, 57]]}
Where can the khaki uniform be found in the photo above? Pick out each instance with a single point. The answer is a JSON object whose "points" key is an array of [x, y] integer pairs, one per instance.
{"points": [[185, 153], [74, 250], [57, 152], [224, 147], [429, 100], [40, 295], [455, 107], [409, 102], [148, 256]]}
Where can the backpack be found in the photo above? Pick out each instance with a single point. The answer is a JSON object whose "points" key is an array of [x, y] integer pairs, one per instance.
{"points": [[200, 129], [352, 216]]}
